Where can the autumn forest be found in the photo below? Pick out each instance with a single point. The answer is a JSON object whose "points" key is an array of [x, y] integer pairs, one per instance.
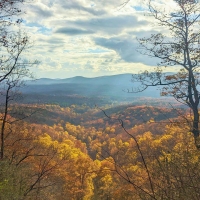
{"points": [[121, 137]]}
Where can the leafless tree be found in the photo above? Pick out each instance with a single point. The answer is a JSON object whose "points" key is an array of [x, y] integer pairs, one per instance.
{"points": [[179, 47], [14, 67]]}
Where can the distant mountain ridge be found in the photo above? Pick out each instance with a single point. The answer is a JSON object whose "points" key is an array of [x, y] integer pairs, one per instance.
{"points": [[113, 79], [104, 89]]}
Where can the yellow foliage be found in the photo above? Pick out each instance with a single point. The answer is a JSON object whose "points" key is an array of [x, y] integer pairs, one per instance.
{"points": [[45, 140]]}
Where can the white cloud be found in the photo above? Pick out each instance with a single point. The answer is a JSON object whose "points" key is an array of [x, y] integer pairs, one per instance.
{"points": [[86, 37]]}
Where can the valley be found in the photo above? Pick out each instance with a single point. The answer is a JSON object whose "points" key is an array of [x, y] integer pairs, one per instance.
{"points": [[87, 146]]}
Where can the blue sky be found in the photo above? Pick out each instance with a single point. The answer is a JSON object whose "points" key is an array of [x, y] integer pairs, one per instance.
{"points": [[87, 38]]}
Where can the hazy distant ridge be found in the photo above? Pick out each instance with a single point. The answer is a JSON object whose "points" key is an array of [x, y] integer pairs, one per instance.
{"points": [[121, 79], [107, 88]]}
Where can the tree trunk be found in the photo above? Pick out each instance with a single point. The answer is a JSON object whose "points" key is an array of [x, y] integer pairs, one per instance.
{"points": [[195, 128]]}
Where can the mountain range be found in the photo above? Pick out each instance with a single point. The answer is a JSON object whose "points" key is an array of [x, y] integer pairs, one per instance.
{"points": [[105, 88]]}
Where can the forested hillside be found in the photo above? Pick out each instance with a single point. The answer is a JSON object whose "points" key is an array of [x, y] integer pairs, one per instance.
{"points": [[131, 136], [79, 153]]}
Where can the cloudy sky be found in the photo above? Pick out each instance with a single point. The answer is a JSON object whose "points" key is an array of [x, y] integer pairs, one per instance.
{"points": [[87, 38]]}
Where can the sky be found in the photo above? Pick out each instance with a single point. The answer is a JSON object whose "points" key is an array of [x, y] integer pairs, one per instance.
{"points": [[87, 38]]}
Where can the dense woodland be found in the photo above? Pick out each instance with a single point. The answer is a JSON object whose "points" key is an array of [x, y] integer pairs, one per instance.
{"points": [[78, 152], [67, 145]]}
